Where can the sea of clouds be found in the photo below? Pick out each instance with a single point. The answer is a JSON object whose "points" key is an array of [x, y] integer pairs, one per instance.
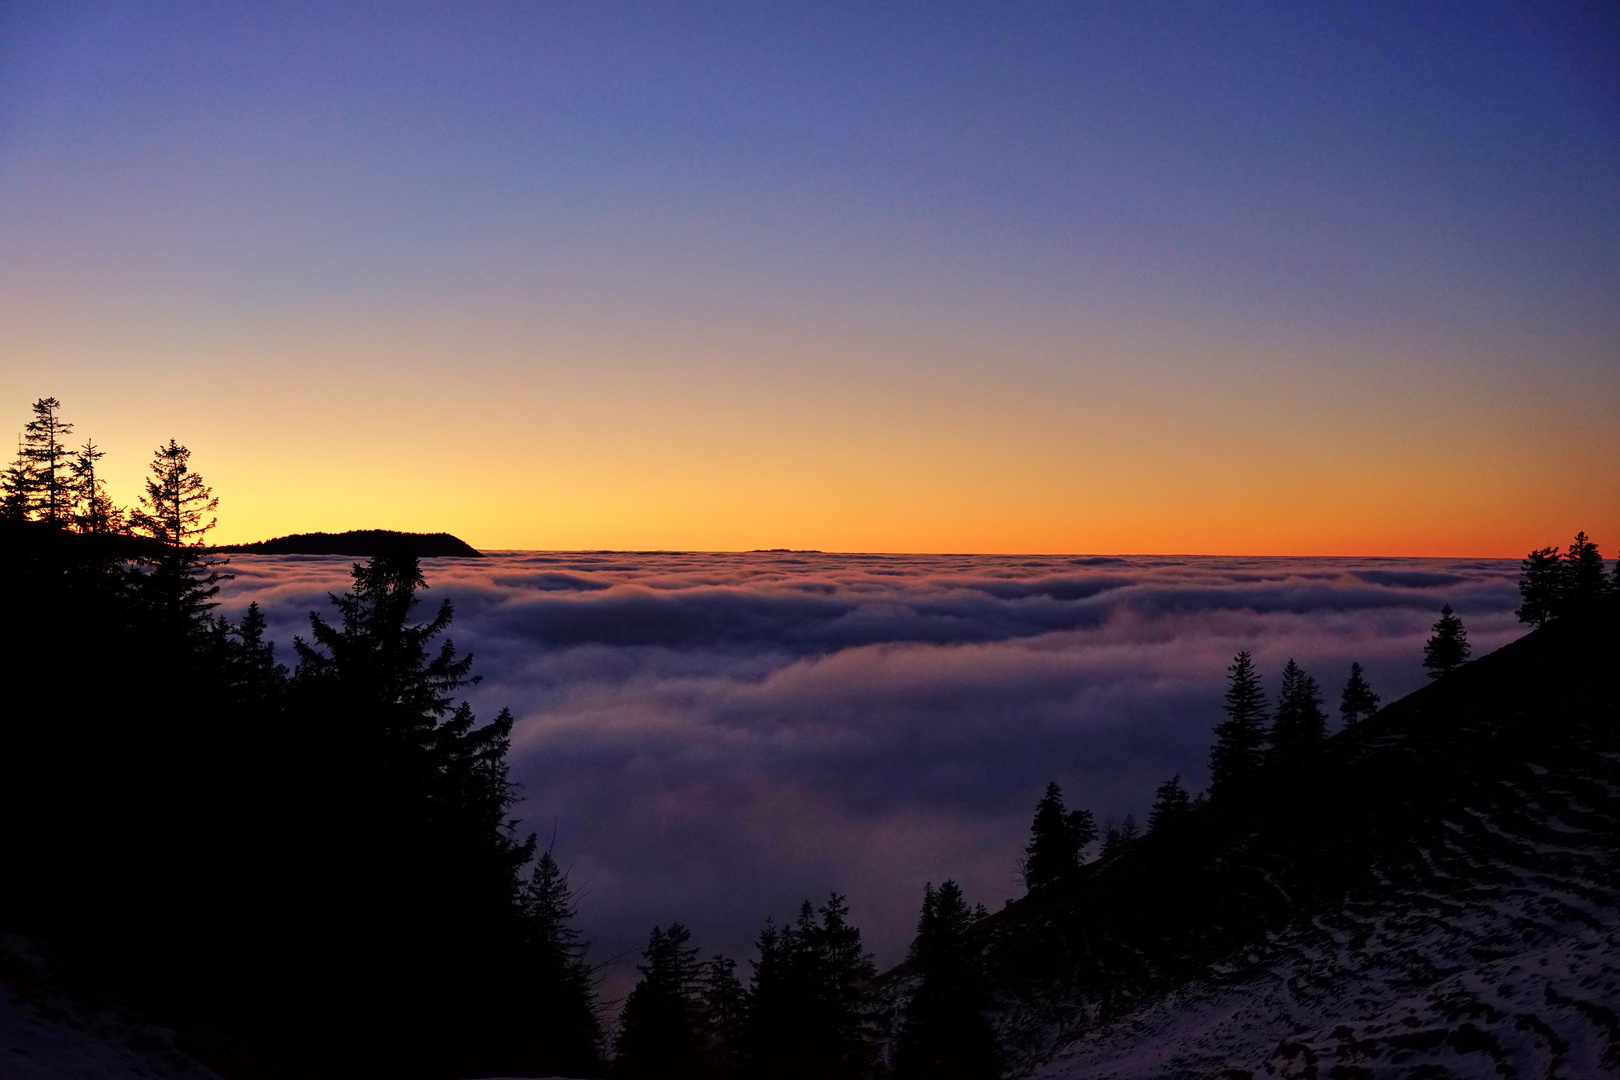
{"points": [[712, 738]]}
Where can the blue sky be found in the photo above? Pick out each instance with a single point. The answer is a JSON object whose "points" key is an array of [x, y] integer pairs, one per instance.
{"points": [[1193, 224]]}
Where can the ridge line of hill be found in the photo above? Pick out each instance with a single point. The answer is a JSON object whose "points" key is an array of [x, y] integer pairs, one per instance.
{"points": [[357, 543]]}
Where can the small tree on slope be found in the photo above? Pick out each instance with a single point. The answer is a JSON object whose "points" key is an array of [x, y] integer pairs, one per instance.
{"points": [[1240, 738], [945, 1034], [1584, 580], [1300, 725], [1170, 804], [1056, 840], [1447, 649], [1357, 702], [1541, 586]]}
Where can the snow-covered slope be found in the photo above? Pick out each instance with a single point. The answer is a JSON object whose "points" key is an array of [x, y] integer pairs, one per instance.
{"points": [[1438, 895], [46, 1036], [1489, 966]]}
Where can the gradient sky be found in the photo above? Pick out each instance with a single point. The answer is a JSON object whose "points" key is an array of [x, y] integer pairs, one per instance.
{"points": [[1248, 278]]}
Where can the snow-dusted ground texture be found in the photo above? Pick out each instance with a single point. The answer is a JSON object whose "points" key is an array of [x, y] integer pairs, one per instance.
{"points": [[1495, 953], [44, 1035]]}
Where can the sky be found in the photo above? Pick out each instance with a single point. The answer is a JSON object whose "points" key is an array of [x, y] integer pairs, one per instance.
{"points": [[1235, 278], [713, 738]]}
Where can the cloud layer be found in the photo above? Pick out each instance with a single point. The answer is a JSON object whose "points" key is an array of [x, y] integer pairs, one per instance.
{"points": [[713, 738]]}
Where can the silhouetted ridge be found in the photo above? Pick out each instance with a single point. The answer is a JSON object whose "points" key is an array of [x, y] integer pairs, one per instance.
{"points": [[359, 544]]}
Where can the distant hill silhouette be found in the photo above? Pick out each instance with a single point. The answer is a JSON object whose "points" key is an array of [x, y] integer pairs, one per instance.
{"points": [[359, 544]]}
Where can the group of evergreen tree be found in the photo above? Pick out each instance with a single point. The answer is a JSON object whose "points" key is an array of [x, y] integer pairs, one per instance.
{"points": [[1255, 735], [1552, 584], [1058, 838], [946, 1034], [309, 871], [806, 1014]]}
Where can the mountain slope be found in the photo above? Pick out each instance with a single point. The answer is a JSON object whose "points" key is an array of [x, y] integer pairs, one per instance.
{"points": [[1436, 895]]}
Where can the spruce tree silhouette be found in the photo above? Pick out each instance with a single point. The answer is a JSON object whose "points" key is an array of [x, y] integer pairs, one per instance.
{"points": [[93, 510], [254, 657], [725, 1018], [1541, 586], [1116, 838], [1299, 725], [377, 651], [660, 1031], [1057, 841], [177, 510], [1240, 739], [1447, 649], [1584, 579], [773, 992], [1170, 804], [17, 486], [1357, 702], [810, 1018], [49, 463], [945, 1033], [568, 1026]]}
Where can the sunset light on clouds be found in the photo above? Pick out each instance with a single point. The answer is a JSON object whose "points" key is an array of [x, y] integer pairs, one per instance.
{"points": [[1260, 279]]}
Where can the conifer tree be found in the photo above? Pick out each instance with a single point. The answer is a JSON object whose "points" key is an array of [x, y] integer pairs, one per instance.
{"points": [[846, 970], [1117, 837], [1584, 580], [810, 1018], [561, 982], [177, 510], [1357, 702], [1541, 586], [1170, 804], [49, 463], [17, 486], [255, 658], [1239, 739], [725, 1015], [547, 903], [1300, 725], [377, 650], [1057, 841], [945, 1033], [1447, 649], [772, 1000], [93, 511], [178, 506], [660, 1033]]}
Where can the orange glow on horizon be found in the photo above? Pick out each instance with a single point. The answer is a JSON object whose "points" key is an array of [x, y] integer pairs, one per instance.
{"points": [[1074, 462]]}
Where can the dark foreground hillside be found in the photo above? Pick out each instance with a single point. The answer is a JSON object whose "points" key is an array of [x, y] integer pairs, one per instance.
{"points": [[1434, 894], [295, 872]]}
